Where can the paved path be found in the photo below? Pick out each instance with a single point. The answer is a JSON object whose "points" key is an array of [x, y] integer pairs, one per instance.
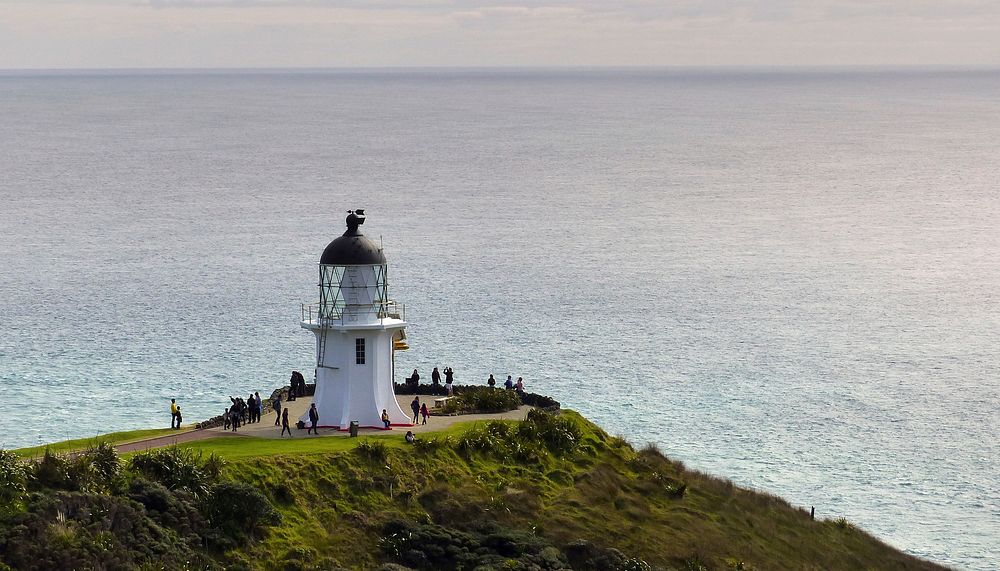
{"points": [[266, 428], [169, 440], [297, 408]]}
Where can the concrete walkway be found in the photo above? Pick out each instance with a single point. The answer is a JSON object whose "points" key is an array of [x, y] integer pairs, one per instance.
{"points": [[266, 428], [180, 437]]}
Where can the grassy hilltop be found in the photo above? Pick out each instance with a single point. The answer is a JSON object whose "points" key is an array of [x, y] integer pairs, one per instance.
{"points": [[551, 492]]}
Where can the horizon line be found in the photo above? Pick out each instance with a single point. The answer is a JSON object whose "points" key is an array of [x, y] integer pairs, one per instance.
{"points": [[502, 68]]}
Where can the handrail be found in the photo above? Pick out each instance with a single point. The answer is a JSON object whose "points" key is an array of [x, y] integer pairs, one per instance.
{"points": [[313, 312]]}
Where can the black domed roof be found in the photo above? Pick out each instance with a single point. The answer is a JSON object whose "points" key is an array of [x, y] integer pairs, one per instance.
{"points": [[353, 248]]}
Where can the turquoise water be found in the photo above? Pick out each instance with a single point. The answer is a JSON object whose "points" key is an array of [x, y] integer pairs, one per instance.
{"points": [[786, 278]]}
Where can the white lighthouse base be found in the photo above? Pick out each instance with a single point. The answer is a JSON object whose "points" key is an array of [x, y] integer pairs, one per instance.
{"points": [[349, 391]]}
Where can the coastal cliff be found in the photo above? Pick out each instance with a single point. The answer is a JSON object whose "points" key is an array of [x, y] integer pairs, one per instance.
{"points": [[551, 492]]}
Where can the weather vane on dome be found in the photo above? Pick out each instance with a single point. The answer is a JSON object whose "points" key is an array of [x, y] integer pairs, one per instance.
{"points": [[355, 218]]}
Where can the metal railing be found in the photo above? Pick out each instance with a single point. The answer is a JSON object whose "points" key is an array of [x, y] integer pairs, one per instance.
{"points": [[316, 313]]}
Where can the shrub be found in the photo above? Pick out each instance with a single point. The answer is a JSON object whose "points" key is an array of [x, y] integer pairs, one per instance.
{"points": [[429, 546], [373, 451], [430, 446], [482, 399], [51, 471], [178, 469], [238, 509], [13, 479], [494, 436], [107, 467], [558, 433], [540, 401]]}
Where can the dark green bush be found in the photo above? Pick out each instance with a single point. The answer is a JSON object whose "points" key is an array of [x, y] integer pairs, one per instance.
{"points": [[13, 479], [373, 451], [52, 471], [558, 433], [586, 556], [482, 399], [238, 509], [488, 546], [178, 469], [72, 530], [107, 468]]}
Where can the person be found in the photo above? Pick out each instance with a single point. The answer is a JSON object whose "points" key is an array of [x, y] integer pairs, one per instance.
{"points": [[491, 381], [284, 423], [435, 377], [225, 420], [424, 412], [409, 437], [173, 414], [449, 375], [519, 385], [447, 384], [313, 419], [252, 409], [302, 384], [234, 417], [179, 417], [276, 405], [415, 407], [509, 383], [413, 381], [258, 404], [293, 386], [385, 419]]}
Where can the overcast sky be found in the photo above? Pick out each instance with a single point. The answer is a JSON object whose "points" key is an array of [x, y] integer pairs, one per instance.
{"points": [[349, 33]]}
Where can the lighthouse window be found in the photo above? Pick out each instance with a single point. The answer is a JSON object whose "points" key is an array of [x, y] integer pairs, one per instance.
{"points": [[359, 351]]}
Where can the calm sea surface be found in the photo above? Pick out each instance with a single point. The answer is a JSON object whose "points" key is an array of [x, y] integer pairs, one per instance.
{"points": [[786, 278]]}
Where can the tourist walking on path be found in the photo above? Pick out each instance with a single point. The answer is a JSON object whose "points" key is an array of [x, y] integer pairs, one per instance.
{"points": [[491, 381], [284, 423], [258, 404], [385, 419], [276, 405], [226, 420], [313, 419], [173, 414], [424, 413], [415, 407], [435, 377]]}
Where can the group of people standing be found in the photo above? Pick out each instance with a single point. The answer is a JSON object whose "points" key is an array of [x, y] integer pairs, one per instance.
{"points": [[243, 411], [419, 410], [509, 384], [449, 379]]}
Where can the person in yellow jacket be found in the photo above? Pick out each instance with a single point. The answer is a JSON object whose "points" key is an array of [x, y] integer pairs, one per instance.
{"points": [[174, 414]]}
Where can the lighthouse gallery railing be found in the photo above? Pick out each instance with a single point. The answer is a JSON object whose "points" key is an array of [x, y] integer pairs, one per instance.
{"points": [[317, 313]]}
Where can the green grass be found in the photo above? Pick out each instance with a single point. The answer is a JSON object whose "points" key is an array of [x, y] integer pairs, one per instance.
{"points": [[335, 501], [336, 496], [236, 448], [77, 445]]}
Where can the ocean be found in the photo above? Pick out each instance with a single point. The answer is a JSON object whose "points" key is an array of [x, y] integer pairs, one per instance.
{"points": [[784, 277]]}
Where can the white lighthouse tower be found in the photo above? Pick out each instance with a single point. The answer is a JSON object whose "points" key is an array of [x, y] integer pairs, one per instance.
{"points": [[357, 328]]}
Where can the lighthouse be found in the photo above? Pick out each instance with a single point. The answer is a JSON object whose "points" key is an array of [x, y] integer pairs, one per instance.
{"points": [[357, 329]]}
